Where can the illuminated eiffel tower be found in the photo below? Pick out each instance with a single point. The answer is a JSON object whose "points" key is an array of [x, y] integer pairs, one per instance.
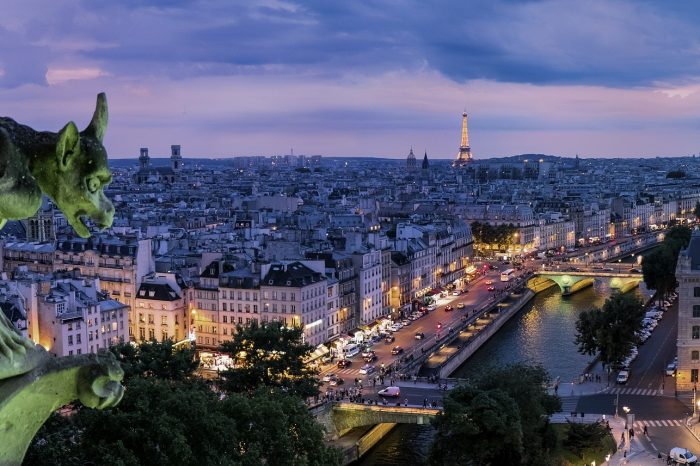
{"points": [[464, 156]]}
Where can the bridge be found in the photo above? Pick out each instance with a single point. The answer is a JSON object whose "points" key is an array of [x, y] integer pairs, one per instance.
{"points": [[570, 282], [340, 417]]}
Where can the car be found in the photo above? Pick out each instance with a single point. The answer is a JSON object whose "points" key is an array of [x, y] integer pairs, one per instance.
{"points": [[623, 376], [682, 456], [370, 358], [406, 322], [420, 335], [375, 338], [367, 369], [328, 377], [491, 288], [448, 308], [396, 350], [368, 352], [456, 293], [390, 391], [336, 381], [326, 359], [343, 363], [389, 339], [489, 282], [671, 368], [432, 307], [460, 306]]}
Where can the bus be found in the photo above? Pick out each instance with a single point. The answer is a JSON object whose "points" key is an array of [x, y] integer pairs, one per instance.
{"points": [[506, 275]]}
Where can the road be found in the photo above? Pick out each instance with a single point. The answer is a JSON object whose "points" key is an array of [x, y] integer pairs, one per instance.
{"points": [[476, 295]]}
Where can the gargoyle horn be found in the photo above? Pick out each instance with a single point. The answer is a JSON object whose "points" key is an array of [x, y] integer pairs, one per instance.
{"points": [[98, 124]]}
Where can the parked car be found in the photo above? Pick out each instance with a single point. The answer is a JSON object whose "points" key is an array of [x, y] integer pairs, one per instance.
{"points": [[460, 306], [448, 308], [406, 322], [328, 377], [396, 350], [375, 338], [420, 335], [389, 339], [432, 307], [367, 369], [682, 456], [343, 363], [456, 293], [671, 368], [390, 391], [623, 376]]}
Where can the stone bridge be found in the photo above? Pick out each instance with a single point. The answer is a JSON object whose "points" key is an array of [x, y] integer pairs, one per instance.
{"points": [[339, 417], [570, 282]]}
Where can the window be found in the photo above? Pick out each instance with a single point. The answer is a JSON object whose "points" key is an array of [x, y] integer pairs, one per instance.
{"points": [[292, 296], [77, 339], [114, 326], [225, 319], [693, 375], [696, 310], [695, 355], [696, 291], [164, 335], [70, 339], [223, 307], [151, 319], [164, 320], [142, 333], [151, 334], [696, 332]]}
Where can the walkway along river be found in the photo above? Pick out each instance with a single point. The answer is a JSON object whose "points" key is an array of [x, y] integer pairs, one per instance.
{"points": [[542, 332]]}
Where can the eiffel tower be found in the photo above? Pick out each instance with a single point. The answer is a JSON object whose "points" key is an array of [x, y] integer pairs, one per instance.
{"points": [[464, 156]]}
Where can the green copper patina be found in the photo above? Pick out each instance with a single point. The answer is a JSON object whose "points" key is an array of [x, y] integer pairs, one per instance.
{"points": [[33, 385], [69, 166]]}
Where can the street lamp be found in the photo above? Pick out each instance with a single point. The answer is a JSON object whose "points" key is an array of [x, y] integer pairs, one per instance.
{"points": [[619, 265]]}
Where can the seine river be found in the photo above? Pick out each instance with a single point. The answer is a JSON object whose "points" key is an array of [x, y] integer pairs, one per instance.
{"points": [[543, 332]]}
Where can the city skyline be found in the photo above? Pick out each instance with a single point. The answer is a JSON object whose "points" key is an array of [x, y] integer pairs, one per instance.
{"points": [[553, 77]]}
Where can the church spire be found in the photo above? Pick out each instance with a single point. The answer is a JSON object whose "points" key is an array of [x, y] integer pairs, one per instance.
{"points": [[425, 161]]}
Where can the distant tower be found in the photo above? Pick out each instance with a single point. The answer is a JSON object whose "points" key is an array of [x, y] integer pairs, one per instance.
{"points": [[144, 160], [175, 158], [425, 165], [411, 161], [465, 153], [577, 163]]}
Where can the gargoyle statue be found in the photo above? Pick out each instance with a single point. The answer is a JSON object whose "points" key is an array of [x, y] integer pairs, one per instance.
{"points": [[33, 385], [70, 167]]}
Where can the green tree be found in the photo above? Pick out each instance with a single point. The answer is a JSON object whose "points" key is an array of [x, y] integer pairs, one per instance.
{"points": [[514, 430], [610, 330], [659, 269], [271, 355], [186, 423], [581, 437], [156, 359], [479, 427], [677, 238]]}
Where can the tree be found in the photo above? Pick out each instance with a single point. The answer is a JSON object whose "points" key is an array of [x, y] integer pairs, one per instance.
{"points": [[675, 174], [269, 354], [611, 331], [186, 423], [581, 437], [677, 238], [479, 427], [500, 418], [156, 359], [659, 269]]}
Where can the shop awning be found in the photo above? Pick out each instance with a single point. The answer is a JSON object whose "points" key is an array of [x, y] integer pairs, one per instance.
{"points": [[320, 351]]}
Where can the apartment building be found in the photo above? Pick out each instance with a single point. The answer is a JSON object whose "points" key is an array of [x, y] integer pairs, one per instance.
{"points": [[159, 309]]}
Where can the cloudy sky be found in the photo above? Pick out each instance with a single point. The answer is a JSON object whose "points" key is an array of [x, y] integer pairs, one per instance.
{"points": [[258, 77]]}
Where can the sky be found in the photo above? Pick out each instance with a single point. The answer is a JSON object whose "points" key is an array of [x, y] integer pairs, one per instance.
{"points": [[227, 78]]}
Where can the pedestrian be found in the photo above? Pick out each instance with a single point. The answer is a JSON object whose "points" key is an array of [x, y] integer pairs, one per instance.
{"points": [[631, 434], [405, 402], [645, 430], [425, 402]]}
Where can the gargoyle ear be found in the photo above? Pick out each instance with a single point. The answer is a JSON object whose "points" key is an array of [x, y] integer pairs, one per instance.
{"points": [[98, 124], [68, 145]]}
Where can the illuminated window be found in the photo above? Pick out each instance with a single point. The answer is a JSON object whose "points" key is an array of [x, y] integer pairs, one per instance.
{"points": [[696, 332]]}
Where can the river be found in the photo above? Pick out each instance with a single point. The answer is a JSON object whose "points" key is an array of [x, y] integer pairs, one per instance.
{"points": [[542, 332]]}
